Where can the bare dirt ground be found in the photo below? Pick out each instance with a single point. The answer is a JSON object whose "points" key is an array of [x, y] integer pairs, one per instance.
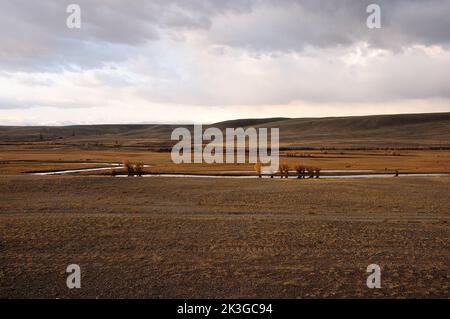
{"points": [[194, 238]]}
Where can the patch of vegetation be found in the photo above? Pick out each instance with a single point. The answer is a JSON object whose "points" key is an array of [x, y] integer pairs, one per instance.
{"points": [[283, 169], [134, 169]]}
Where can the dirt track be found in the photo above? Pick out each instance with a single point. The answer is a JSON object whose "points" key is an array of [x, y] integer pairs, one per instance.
{"points": [[182, 237]]}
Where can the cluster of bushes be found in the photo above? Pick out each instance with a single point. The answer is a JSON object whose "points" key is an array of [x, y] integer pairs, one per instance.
{"points": [[258, 169], [293, 154], [302, 171], [134, 169], [396, 154], [283, 169]]}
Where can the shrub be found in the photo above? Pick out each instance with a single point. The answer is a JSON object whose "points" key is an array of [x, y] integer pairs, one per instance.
{"points": [[310, 171], [139, 168], [284, 170], [300, 169], [291, 154], [129, 167], [317, 171], [258, 168], [133, 168]]}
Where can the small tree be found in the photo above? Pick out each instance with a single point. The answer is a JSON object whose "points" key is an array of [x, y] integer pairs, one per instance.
{"points": [[139, 168], [284, 170], [134, 168], [129, 167], [300, 171], [258, 168], [310, 171], [317, 171]]}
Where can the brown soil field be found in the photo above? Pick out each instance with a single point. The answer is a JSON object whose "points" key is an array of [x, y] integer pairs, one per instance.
{"points": [[197, 238]]}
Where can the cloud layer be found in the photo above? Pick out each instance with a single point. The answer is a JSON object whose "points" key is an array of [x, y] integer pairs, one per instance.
{"points": [[199, 60]]}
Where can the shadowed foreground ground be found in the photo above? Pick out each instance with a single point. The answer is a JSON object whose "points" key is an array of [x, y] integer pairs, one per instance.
{"points": [[185, 237]]}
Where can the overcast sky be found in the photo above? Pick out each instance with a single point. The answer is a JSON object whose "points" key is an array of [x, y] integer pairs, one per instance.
{"points": [[205, 61]]}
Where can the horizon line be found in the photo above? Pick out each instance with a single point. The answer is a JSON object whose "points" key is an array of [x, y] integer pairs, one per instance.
{"points": [[227, 120]]}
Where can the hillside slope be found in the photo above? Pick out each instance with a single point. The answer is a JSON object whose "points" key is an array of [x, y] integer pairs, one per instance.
{"points": [[404, 130]]}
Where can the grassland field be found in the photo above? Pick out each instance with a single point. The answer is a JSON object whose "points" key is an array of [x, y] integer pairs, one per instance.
{"points": [[173, 237]]}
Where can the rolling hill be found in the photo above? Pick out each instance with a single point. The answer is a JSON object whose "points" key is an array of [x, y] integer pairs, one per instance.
{"points": [[402, 131]]}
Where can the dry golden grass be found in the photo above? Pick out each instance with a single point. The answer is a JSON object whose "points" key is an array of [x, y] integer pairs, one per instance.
{"points": [[380, 161]]}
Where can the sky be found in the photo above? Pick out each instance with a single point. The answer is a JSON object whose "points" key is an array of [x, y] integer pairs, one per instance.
{"points": [[199, 61]]}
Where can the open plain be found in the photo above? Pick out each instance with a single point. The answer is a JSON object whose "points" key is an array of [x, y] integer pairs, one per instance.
{"points": [[189, 237], [193, 238]]}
